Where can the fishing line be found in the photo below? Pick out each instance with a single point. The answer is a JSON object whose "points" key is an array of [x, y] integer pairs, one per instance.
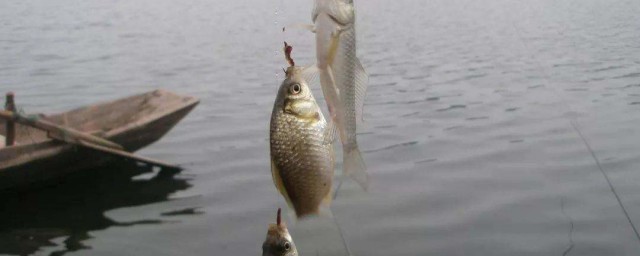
{"points": [[575, 126], [571, 243], [342, 237], [335, 195], [606, 177], [279, 25]]}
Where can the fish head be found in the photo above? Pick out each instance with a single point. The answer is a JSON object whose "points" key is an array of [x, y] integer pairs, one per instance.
{"points": [[340, 11], [278, 241], [297, 97]]}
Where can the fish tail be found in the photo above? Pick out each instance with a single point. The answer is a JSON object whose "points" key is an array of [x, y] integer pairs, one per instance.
{"points": [[325, 205], [354, 166], [325, 211]]}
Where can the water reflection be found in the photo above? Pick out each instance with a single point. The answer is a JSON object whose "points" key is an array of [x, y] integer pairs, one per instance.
{"points": [[68, 210]]}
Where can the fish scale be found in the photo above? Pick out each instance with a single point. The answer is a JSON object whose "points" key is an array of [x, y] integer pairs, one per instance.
{"points": [[345, 79]]}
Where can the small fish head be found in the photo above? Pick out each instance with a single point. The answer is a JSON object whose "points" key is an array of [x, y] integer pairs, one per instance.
{"points": [[279, 241], [298, 99], [340, 11]]}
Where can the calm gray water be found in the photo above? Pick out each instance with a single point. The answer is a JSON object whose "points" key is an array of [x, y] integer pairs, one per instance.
{"points": [[471, 133]]}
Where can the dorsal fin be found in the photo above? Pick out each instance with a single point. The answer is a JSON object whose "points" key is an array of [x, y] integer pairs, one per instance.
{"points": [[279, 218]]}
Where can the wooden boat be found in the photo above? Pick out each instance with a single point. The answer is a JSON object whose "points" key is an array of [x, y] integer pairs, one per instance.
{"points": [[133, 122]]}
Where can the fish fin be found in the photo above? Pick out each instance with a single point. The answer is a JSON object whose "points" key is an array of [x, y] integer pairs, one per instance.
{"points": [[311, 74], [324, 209], [333, 47], [328, 198], [332, 97], [325, 206], [354, 166], [361, 83], [330, 133], [310, 27], [277, 181], [303, 26]]}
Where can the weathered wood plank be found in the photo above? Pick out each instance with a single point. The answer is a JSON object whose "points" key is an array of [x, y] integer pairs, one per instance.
{"points": [[57, 132], [10, 125], [127, 155]]}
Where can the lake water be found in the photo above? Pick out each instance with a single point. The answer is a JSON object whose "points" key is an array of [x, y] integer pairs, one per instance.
{"points": [[491, 127]]}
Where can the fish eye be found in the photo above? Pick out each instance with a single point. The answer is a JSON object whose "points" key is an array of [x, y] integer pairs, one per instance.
{"points": [[287, 246], [295, 88]]}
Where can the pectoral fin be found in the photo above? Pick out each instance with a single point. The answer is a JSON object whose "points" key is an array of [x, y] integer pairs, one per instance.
{"points": [[335, 43], [325, 205], [330, 133], [333, 47], [309, 27]]}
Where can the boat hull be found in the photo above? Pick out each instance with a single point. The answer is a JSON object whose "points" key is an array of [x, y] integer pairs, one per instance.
{"points": [[29, 165]]}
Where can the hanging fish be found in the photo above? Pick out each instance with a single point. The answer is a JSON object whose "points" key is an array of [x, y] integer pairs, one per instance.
{"points": [[342, 77], [278, 241], [302, 157]]}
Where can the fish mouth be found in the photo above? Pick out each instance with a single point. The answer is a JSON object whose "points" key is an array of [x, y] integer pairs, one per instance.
{"points": [[331, 17], [299, 107], [288, 107]]}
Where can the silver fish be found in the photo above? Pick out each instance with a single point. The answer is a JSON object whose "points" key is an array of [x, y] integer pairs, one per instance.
{"points": [[278, 241], [342, 77], [302, 157]]}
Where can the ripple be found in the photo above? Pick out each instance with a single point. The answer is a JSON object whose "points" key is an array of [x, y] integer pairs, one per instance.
{"points": [[410, 114], [576, 89], [630, 75], [95, 59], [606, 69], [404, 144], [381, 74], [426, 161], [47, 57], [453, 127], [42, 72], [416, 77], [477, 118], [464, 78], [386, 126], [384, 84], [452, 107]]}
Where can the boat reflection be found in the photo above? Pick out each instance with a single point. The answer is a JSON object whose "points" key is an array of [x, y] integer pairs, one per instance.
{"points": [[69, 209]]}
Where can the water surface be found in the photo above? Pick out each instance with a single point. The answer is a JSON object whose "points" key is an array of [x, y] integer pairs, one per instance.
{"points": [[471, 134]]}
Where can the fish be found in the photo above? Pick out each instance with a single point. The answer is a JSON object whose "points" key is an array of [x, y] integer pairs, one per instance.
{"points": [[278, 241], [301, 147], [342, 77]]}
